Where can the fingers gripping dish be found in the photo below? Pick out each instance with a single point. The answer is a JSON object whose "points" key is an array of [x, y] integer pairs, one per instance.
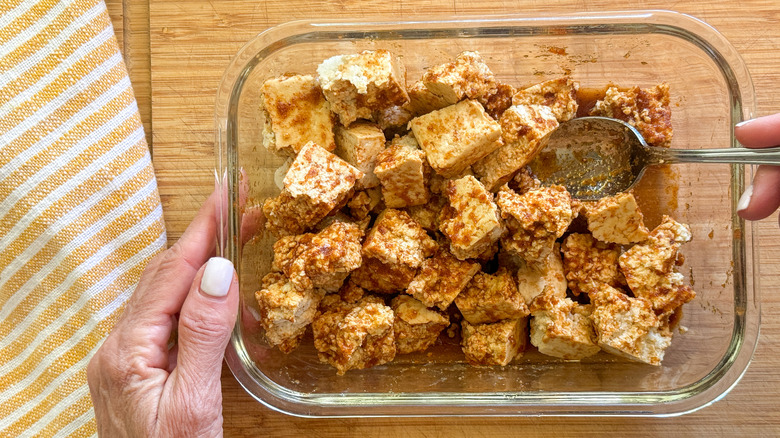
{"points": [[408, 210]]}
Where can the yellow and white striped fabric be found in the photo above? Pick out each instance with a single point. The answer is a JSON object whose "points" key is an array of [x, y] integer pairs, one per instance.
{"points": [[80, 215]]}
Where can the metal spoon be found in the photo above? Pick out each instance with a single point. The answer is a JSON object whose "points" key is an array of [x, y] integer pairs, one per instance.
{"points": [[595, 157]]}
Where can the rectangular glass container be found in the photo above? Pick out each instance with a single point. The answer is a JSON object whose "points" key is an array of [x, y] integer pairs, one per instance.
{"points": [[711, 90]]}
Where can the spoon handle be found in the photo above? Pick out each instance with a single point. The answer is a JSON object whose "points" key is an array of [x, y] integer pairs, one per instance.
{"points": [[769, 156]]}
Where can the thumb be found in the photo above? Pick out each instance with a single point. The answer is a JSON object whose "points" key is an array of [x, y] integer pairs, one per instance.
{"points": [[206, 321]]}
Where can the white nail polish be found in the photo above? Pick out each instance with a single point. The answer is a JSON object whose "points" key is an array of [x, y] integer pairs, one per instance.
{"points": [[217, 277], [744, 200], [743, 123]]}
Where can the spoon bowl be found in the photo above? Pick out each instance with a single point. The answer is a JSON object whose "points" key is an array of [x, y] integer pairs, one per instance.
{"points": [[596, 157]]}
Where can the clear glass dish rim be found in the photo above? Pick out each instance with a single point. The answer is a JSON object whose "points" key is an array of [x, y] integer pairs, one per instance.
{"points": [[697, 395]]}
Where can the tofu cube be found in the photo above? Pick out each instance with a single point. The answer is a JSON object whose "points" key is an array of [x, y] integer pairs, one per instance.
{"points": [[427, 215], [535, 219], [401, 170], [560, 95], [422, 100], [562, 328], [362, 84], [354, 335], [465, 77], [416, 327], [440, 279], [455, 137], [317, 183], [628, 327], [285, 310], [498, 101], [649, 267], [497, 343], [359, 146], [587, 260], [542, 280], [646, 109], [322, 260], [365, 202], [491, 298], [385, 278], [617, 219], [296, 113], [523, 131], [397, 239], [471, 219]]}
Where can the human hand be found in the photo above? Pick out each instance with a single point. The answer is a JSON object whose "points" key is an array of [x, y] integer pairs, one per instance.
{"points": [[762, 197], [140, 386]]}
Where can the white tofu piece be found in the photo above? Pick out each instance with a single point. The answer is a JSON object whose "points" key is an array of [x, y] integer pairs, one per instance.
{"points": [[559, 94], [360, 85], [491, 298], [466, 77], [441, 278], [628, 327], [317, 183], [359, 146], [285, 310], [416, 326], [471, 220], [455, 137], [296, 113], [562, 328], [617, 219], [401, 170], [524, 130], [497, 343]]}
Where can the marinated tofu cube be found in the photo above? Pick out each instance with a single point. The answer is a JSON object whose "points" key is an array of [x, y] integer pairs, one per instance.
{"points": [[560, 95], [542, 280], [441, 278], [422, 100], [471, 219], [385, 278], [497, 343], [562, 328], [359, 146], [649, 267], [628, 327], [397, 239], [500, 100], [362, 84], [365, 202], [427, 215], [646, 109], [285, 310], [317, 183], [466, 77], [491, 298], [416, 327], [393, 117], [617, 219], [524, 129], [354, 335], [401, 170], [322, 260], [587, 260], [296, 113], [534, 220], [455, 137]]}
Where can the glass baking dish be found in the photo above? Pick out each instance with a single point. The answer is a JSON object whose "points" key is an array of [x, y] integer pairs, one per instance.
{"points": [[711, 90]]}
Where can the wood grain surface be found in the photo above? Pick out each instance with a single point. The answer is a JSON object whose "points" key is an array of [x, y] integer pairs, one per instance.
{"points": [[177, 50]]}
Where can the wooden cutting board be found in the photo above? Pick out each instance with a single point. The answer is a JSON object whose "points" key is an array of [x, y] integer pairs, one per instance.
{"points": [[176, 52]]}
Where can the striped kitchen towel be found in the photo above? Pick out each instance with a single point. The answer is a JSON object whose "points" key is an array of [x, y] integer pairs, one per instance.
{"points": [[80, 215]]}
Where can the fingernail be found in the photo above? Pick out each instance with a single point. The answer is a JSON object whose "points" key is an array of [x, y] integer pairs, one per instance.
{"points": [[217, 277], [744, 200], [743, 123]]}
